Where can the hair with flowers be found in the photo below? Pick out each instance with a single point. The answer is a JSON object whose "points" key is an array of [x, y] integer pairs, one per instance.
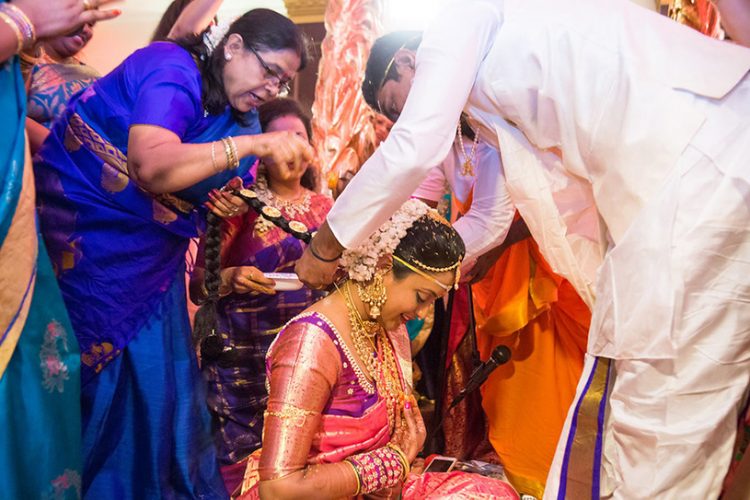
{"points": [[362, 262]]}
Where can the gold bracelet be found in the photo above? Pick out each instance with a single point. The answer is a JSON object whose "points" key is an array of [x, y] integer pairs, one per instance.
{"points": [[356, 474], [230, 153], [22, 21], [227, 153], [402, 458], [213, 157], [19, 36], [234, 151]]}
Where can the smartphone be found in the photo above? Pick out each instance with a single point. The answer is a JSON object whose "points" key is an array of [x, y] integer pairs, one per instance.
{"points": [[441, 464]]}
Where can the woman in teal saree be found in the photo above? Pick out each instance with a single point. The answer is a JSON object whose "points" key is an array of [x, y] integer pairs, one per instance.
{"points": [[39, 360]]}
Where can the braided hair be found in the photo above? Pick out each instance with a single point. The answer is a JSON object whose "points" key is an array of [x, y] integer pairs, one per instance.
{"points": [[206, 319]]}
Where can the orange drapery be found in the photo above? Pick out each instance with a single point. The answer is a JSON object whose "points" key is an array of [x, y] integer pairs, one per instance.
{"points": [[522, 303]]}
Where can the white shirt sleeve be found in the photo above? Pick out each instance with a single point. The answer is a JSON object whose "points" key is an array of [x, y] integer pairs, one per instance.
{"points": [[487, 222], [448, 60], [433, 187]]}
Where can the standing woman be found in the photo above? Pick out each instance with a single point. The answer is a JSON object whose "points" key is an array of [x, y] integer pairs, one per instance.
{"points": [[121, 180], [39, 363]]}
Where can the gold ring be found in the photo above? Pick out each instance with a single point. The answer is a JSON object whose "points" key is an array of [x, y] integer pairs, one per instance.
{"points": [[87, 5]]}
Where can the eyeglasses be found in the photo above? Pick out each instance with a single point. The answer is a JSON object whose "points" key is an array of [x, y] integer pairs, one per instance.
{"points": [[273, 77]]}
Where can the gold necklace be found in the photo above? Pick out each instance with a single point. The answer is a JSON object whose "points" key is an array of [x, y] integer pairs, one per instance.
{"points": [[467, 168], [376, 352]]}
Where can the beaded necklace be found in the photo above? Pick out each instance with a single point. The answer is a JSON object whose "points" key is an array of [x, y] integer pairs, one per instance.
{"points": [[467, 167]]}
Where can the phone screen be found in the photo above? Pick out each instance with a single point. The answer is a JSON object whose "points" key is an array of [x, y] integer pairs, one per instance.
{"points": [[441, 465]]}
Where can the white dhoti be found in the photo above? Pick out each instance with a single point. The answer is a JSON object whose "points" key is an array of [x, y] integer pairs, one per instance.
{"points": [[673, 314]]}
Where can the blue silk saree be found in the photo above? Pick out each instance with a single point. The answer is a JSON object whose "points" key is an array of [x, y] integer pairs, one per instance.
{"points": [[119, 254]]}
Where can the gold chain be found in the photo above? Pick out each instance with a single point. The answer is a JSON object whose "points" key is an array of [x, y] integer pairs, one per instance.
{"points": [[467, 168], [376, 352]]}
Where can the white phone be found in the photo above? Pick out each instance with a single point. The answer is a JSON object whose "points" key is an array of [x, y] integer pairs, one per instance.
{"points": [[441, 464]]}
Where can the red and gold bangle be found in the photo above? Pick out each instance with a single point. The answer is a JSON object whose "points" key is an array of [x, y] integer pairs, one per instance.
{"points": [[402, 457], [378, 469]]}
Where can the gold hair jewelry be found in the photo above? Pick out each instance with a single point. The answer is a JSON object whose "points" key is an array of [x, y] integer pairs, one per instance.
{"points": [[434, 270], [373, 295]]}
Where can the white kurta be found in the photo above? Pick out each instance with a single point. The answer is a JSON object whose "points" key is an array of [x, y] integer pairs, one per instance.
{"points": [[625, 139], [485, 225]]}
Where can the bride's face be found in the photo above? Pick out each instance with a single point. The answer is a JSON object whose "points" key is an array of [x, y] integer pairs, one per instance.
{"points": [[410, 297]]}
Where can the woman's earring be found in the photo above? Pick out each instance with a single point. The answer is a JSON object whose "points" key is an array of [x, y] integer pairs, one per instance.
{"points": [[373, 295], [227, 56]]}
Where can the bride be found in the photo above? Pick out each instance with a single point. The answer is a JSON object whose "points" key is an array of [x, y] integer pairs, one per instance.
{"points": [[341, 419]]}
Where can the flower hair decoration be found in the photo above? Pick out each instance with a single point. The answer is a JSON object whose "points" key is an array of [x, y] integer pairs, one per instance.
{"points": [[214, 35], [361, 262]]}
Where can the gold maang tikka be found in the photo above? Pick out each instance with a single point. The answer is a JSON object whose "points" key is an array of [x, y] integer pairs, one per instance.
{"points": [[373, 294]]}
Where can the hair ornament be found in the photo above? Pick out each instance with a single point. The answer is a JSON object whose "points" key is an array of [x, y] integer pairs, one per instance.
{"points": [[214, 35], [362, 262], [434, 270]]}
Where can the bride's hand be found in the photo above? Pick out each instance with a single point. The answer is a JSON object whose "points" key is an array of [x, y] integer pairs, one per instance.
{"points": [[410, 433]]}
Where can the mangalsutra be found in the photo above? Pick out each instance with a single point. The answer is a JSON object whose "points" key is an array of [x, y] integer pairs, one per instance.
{"points": [[467, 168]]}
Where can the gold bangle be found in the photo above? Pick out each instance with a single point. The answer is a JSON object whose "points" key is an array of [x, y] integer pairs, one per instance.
{"points": [[402, 457], [24, 23], [234, 151], [232, 161], [227, 153], [19, 36], [213, 157], [356, 474]]}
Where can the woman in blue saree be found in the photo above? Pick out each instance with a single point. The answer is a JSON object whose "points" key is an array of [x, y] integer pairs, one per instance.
{"points": [[39, 362], [120, 181]]}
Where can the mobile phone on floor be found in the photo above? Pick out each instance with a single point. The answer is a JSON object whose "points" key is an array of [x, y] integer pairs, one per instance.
{"points": [[441, 464]]}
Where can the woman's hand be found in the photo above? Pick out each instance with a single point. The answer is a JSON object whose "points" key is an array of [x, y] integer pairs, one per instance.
{"points": [[245, 279], [226, 205], [410, 431], [63, 16], [286, 150]]}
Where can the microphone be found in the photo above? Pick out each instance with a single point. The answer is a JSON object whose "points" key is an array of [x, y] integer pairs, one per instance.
{"points": [[500, 355]]}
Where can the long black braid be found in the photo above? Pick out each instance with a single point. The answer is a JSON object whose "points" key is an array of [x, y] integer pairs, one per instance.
{"points": [[205, 330]]}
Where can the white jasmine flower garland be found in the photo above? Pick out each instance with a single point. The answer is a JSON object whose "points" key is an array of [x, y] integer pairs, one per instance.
{"points": [[361, 262], [214, 35]]}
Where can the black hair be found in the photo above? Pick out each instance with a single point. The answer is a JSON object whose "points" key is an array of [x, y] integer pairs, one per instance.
{"points": [[430, 242], [381, 54], [279, 108], [168, 19], [206, 319], [261, 29]]}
